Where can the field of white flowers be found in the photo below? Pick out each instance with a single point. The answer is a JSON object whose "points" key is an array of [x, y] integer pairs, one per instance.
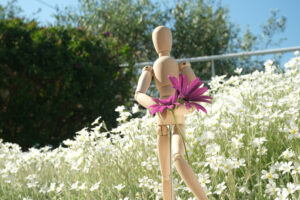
{"points": [[246, 147]]}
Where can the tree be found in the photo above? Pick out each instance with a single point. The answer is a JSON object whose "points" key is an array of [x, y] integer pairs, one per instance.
{"points": [[55, 81], [10, 10], [199, 28], [129, 22]]}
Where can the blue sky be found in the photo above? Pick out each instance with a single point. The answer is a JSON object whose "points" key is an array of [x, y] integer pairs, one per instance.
{"points": [[243, 12]]}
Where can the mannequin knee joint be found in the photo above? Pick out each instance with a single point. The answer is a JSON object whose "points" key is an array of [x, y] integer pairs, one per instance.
{"points": [[162, 130], [177, 156]]}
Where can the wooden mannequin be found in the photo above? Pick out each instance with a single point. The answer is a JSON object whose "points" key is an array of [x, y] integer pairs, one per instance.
{"points": [[164, 66]]}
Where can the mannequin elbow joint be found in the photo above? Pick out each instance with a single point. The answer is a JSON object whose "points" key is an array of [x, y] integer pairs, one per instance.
{"points": [[136, 95]]}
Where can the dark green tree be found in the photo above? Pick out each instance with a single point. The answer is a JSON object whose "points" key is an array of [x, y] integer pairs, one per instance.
{"points": [[199, 27], [55, 81]]}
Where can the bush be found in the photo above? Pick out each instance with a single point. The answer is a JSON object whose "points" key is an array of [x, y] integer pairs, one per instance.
{"points": [[54, 81]]}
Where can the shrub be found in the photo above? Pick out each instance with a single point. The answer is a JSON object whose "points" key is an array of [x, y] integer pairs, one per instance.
{"points": [[54, 81]]}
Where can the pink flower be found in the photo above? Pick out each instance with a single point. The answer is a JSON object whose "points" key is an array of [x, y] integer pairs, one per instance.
{"points": [[163, 104], [190, 94]]}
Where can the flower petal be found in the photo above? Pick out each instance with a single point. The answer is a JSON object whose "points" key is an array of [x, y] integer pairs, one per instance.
{"points": [[177, 104], [154, 110], [194, 85], [170, 106], [175, 97], [197, 93], [187, 104], [156, 100], [180, 82], [162, 108], [198, 106], [153, 106], [184, 84], [200, 99], [207, 97], [165, 101], [174, 82]]}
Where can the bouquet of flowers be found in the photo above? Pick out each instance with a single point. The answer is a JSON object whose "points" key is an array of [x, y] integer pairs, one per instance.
{"points": [[187, 94]]}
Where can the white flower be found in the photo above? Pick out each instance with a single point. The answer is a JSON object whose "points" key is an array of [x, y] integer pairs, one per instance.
{"points": [[227, 165], [120, 109], [123, 116], [74, 186], [236, 144], [237, 163], [269, 68], [238, 70], [244, 189], [52, 187], [32, 184], [143, 181], [269, 175], [268, 62], [212, 149], [220, 187], [95, 186], [282, 194], [287, 154], [258, 141], [31, 177], [119, 187], [215, 162], [206, 137], [286, 167], [96, 121], [291, 188], [292, 129], [82, 187], [203, 179], [296, 169], [151, 161], [43, 189], [135, 108], [59, 188], [271, 188], [126, 198], [261, 150]]}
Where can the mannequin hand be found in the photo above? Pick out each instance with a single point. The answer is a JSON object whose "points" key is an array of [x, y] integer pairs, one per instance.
{"points": [[184, 64], [183, 110]]}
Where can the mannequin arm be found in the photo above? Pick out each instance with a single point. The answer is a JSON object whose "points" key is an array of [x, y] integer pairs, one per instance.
{"points": [[143, 84], [185, 68]]}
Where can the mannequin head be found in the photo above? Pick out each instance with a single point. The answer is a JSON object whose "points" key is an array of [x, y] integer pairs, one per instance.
{"points": [[162, 40]]}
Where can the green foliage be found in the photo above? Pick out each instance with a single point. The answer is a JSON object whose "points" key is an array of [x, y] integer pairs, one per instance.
{"points": [[55, 80], [199, 27], [130, 22], [10, 10]]}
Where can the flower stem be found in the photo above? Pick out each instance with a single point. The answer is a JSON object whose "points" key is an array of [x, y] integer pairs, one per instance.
{"points": [[181, 133]]}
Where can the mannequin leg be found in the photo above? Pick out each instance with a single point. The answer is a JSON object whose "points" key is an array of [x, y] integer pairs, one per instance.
{"points": [[163, 145], [183, 168]]}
